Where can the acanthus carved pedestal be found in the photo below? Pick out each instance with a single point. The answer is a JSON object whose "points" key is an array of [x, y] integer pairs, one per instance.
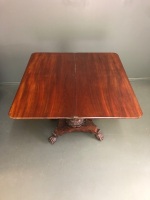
{"points": [[75, 125]]}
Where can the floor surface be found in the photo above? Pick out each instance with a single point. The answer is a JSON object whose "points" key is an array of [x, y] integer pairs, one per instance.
{"points": [[77, 166]]}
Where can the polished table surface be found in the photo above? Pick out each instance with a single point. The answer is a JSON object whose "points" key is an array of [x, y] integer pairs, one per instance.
{"points": [[74, 85]]}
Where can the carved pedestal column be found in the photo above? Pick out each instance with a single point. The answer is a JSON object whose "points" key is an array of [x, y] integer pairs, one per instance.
{"points": [[75, 125]]}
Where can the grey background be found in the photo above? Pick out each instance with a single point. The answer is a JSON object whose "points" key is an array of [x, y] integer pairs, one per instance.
{"points": [[121, 26]]}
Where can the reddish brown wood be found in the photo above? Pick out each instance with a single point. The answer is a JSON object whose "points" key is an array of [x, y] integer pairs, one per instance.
{"points": [[63, 128], [68, 85], [104, 88], [47, 88]]}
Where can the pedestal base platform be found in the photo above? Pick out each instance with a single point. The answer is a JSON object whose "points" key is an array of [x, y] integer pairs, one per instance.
{"points": [[85, 125]]}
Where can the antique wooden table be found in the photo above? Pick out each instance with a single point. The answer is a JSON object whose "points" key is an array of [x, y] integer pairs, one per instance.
{"points": [[75, 88]]}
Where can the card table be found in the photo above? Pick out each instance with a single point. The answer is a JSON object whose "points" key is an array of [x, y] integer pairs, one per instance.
{"points": [[75, 88]]}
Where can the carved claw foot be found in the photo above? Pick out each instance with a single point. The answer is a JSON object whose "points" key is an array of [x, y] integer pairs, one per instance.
{"points": [[99, 135], [52, 139]]}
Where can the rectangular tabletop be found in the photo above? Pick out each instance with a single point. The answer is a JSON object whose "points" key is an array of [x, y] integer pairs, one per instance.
{"points": [[68, 85]]}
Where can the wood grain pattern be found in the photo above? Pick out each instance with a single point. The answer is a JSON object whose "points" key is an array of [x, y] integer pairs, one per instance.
{"points": [[67, 85]]}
